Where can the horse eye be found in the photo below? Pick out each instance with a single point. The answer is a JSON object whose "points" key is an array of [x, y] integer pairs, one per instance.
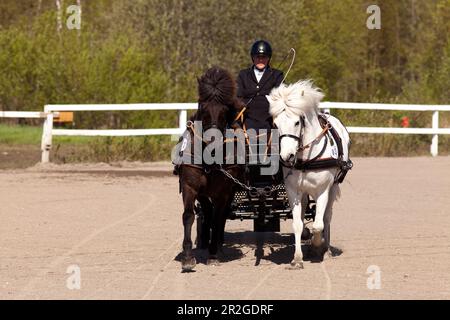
{"points": [[297, 123]]}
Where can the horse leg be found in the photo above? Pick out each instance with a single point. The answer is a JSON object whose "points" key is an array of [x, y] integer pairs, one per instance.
{"points": [[218, 224], [188, 262], [318, 225], [298, 205], [328, 216], [226, 215], [306, 234], [221, 240], [297, 225], [205, 228]]}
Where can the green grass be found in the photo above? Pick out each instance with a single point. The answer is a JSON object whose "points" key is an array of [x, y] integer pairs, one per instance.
{"points": [[27, 135], [90, 149]]}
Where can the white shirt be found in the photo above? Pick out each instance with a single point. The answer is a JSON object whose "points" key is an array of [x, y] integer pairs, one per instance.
{"points": [[258, 74]]}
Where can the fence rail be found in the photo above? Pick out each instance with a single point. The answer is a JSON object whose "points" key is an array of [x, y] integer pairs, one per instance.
{"points": [[51, 111], [23, 114]]}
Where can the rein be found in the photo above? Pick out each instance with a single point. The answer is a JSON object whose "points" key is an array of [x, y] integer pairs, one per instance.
{"points": [[317, 139], [317, 162], [208, 169], [190, 125], [299, 138]]}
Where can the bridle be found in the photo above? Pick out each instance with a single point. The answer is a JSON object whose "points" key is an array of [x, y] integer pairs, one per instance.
{"points": [[298, 138], [301, 147]]}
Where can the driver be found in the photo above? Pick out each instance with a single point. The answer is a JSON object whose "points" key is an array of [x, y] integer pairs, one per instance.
{"points": [[255, 83]]}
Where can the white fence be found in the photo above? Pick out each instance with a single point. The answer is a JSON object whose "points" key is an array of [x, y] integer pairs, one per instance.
{"points": [[51, 111], [22, 114]]}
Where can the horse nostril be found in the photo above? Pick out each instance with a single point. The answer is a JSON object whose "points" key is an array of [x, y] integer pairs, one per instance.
{"points": [[291, 158]]}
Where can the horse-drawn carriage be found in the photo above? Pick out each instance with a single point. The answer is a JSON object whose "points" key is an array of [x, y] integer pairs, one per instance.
{"points": [[263, 199], [313, 150]]}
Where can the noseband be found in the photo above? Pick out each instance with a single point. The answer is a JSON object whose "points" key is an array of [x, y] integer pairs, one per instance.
{"points": [[301, 147], [299, 138]]}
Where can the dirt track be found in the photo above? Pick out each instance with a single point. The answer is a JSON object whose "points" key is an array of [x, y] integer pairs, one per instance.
{"points": [[122, 227]]}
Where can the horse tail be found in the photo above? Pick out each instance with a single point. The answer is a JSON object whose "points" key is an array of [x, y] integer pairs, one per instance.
{"points": [[217, 85]]}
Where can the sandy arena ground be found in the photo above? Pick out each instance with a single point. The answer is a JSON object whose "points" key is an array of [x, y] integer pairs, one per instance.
{"points": [[122, 227]]}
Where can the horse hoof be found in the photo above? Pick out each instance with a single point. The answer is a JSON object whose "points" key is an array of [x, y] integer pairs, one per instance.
{"points": [[213, 262], [296, 265], [188, 264]]}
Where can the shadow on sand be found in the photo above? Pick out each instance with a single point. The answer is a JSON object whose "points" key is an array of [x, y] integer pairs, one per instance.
{"points": [[281, 248]]}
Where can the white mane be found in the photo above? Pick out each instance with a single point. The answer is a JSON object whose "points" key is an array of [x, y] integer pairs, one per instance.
{"points": [[295, 98]]}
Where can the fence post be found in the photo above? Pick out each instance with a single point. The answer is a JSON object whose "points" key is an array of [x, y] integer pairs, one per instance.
{"points": [[46, 143], [182, 121], [435, 139]]}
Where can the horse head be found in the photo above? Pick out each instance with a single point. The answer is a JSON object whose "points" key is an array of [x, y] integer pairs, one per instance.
{"points": [[289, 105], [217, 99]]}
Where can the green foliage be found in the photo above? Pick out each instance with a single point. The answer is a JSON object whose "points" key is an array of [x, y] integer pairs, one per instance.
{"points": [[153, 50]]}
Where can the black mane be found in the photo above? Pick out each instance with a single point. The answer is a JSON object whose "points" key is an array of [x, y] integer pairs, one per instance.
{"points": [[217, 85]]}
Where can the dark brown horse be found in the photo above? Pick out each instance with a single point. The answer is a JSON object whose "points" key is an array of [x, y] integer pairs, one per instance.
{"points": [[206, 184]]}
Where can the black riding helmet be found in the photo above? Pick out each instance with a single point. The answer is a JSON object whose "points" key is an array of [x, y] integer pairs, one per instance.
{"points": [[261, 47]]}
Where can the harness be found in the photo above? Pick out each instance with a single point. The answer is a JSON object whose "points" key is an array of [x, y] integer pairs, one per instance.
{"points": [[317, 162], [207, 169]]}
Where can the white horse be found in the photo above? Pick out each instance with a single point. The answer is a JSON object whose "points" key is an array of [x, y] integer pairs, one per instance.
{"points": [[295, 112]]}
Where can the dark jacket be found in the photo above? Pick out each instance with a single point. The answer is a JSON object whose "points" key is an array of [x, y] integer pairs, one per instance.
{"points": [[257, 114]]}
